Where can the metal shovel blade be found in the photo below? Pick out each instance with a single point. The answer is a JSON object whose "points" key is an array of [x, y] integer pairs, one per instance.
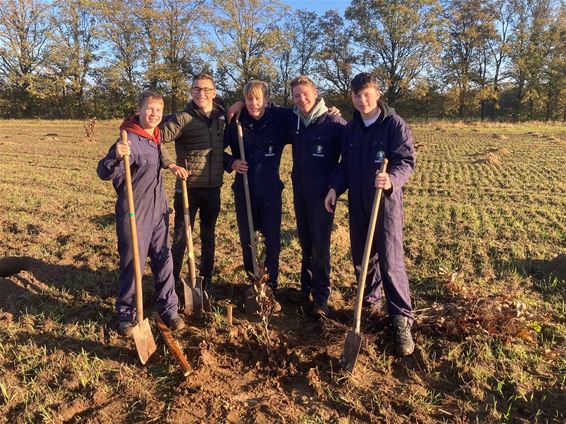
{"points": [[351, 350], [145, 343], [193, 297]]}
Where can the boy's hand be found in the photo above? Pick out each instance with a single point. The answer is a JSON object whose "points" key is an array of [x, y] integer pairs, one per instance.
{"points": [[122, 149], [382, 181], [234, 111], [240, 166], [179, 171], [334, 111], [330, 201]]}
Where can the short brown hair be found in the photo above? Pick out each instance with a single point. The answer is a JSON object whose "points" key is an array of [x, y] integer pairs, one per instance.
{"points": [[254, 87], [363, 80], [203, 76], [302, 80], [148, 95]]}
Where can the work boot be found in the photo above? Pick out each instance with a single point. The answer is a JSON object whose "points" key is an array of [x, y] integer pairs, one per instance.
{"points": [[402, 338], [320, 309], [275, 305], [176, 323], [126, 328], [298, 296], [207, 284]]}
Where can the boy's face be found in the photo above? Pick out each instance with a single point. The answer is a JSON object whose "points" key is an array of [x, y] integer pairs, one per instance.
{"points": [[365, 100], [203, 92], [151, 113], [304, 97], [255, 104]]}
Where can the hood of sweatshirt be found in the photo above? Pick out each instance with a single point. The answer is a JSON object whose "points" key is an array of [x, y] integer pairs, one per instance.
{"points": [[318, 110]]}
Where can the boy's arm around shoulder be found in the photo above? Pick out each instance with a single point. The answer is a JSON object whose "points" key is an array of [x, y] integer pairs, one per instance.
{"points": [[339, 177], [402, 154], [172, 129], [229, 135]]}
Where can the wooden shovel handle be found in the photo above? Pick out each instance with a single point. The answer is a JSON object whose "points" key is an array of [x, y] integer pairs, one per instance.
{"points": [[173, 345], [248, 201], [189, 236], [133, 231], [367, 252]]}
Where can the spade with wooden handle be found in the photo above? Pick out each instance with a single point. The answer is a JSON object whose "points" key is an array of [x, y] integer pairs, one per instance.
{"points": [[353, 341], [193, 291], [143, 338], [259, 286]]}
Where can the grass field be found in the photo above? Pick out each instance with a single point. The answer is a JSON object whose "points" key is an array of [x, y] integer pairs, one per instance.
{"points": [[485, 216]]}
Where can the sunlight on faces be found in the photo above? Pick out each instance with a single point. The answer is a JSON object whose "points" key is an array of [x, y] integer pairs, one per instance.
{"points": [[304, 97], [255, 104], [365, 101], [151, 112], [203, 93]]}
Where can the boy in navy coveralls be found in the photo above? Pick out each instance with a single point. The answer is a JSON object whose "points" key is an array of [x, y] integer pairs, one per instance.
{"points": [[375, 133]]}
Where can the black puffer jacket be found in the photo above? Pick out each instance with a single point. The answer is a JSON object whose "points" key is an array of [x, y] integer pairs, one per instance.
{"points": [[200, 141]]}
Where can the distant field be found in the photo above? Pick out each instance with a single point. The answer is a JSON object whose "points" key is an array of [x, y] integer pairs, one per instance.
{"points": [[485, 216]]}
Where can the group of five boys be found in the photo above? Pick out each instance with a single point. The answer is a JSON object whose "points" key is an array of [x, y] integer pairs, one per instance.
{"points": [[330, 157]]}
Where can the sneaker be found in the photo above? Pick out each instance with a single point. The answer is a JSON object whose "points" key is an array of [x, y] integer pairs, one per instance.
{"points": [[275, 305], [298, 296], [176, 323], [402, 338], [320, 310], [126, 328]]}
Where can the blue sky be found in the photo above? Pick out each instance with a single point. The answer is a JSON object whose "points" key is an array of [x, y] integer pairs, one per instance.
{"points": [[319, 6]]}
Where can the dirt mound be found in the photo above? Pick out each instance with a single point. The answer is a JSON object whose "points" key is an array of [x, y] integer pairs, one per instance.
{"points": [[557, 267], [491, 158], [500, 136]]}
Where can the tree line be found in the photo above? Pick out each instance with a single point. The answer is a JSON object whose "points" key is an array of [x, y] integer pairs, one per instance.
{"points": [[463, 59]]}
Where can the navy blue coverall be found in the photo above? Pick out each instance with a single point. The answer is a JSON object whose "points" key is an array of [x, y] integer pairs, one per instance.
{"points": [[264, 140], [152, 221], [363, 151], [316, 151]]}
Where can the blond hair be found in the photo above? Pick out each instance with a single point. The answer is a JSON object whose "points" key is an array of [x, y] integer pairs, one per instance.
{"points": [[254, 88], [302, 80]]}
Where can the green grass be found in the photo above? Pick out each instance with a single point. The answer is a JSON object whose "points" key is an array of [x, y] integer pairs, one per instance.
{"points": [[491, 223]]}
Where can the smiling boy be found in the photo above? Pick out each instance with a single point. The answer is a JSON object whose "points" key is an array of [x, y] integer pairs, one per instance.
{"points": [[152, 212], [377, 132]]}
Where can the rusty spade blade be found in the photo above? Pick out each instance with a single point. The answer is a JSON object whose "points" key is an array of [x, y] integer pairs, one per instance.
{"points": [[143, 338]]}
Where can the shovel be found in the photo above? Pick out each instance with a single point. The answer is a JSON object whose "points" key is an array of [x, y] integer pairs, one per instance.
{"points": [[145, 344], [192, 292], [354, 337], [258, 278]]}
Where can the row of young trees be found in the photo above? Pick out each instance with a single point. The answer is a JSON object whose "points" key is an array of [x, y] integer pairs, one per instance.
{"points": [[494, 59]]}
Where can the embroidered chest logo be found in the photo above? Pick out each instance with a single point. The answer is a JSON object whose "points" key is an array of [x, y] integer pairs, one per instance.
{"points": [[379, 156], [269, 151], [318, 151]]}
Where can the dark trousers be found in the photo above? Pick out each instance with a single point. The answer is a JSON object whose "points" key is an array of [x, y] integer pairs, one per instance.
{"points": [[386, 265], [207, 201], [266, 215], [314, 226], [153, 242]]}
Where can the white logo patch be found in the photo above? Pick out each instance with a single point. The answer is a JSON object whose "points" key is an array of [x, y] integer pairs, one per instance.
{"points": [[318, 149], [269, 152], [379, 156]]}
